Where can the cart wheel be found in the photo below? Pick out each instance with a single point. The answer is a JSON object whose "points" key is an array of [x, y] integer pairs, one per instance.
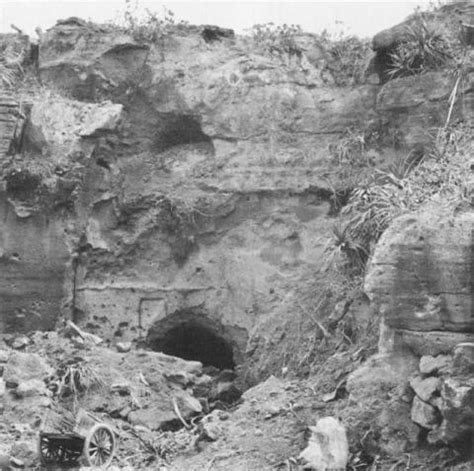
{"points": [[49, 452], [99, 446]]}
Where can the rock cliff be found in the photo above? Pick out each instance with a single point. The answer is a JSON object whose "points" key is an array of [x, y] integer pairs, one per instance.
{"points": [[192, 181], [179, 194]]}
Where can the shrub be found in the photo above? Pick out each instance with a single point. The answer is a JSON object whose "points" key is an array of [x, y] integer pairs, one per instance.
{"points": [[425, 47], [344, 249]]}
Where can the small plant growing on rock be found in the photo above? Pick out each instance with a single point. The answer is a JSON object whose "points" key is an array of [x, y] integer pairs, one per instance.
{"points": [[76, 377], [350, 148], [277, 39], [149, 27], [345, 248], [348, 57]]}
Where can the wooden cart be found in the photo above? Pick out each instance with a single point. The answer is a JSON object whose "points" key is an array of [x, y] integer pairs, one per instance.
{"points": [[65, 438]]}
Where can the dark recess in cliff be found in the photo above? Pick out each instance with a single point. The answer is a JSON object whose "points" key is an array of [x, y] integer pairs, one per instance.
{"points": [[177, 130], [191, 336]]}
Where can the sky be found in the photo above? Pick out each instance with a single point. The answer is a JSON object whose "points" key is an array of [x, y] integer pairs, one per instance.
{"points": [[363, 18]]}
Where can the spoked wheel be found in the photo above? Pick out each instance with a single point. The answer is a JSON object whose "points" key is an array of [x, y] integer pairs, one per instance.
{"points": [[48, 451], [59, 450], [99, 446]]}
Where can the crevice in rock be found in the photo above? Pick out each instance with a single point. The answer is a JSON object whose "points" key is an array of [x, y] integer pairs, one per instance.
{"points": [[101, 162], [383, 63]]}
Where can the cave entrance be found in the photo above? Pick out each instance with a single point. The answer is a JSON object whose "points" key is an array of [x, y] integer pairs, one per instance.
{"points": [[193, 340]]}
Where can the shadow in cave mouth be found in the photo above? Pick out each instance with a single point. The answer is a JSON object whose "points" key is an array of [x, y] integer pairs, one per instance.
{"points": [[192, 341]]}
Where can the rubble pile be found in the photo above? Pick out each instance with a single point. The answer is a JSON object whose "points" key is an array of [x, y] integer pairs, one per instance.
{"points": [[141, 392], [443, 403]]}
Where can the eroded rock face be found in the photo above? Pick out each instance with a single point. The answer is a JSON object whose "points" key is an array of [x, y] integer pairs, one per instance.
{"points": [[86, 58], [191, 179], [420, 279], [33, 263], [415, 104], [208, 191]]}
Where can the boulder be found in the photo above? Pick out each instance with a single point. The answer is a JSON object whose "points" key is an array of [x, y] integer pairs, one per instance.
{"points": [[457, 411], [390, 37], [31, 388], [101, 119], [463, 362], [432, 365], [159, 414], [22, 367], [418, 279], [152, 418], [328, 447], [426, 388], [424, 414], [123, 347], [225, 391], [20, 342], [210, 426], [188, 405], [380, 373]]}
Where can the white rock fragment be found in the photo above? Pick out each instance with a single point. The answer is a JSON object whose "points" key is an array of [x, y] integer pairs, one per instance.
{"points": [[328, 447], [123, 347]]}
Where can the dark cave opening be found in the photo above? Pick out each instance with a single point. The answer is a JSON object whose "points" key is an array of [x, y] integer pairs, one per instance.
{"points": [[179, 129], [193, 341]]}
